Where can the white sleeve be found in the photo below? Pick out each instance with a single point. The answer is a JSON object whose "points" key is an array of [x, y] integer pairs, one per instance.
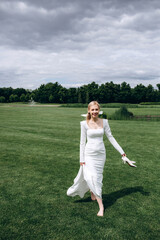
{"points": [[82, 141], [111, 138]]}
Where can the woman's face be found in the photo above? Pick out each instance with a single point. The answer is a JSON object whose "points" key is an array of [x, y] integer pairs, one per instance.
{"points": [[94, 111]]}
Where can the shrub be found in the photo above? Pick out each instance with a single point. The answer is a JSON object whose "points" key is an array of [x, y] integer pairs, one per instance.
{"points": [[103, 105], [122, 114], [103, 115], [118, 105], [150, 103]]}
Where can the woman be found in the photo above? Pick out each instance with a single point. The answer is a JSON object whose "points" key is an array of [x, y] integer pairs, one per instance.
{"points": [[93, 156]]}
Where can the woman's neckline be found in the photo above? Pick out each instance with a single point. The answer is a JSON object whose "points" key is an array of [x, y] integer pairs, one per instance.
{"points": [[94, 128]]}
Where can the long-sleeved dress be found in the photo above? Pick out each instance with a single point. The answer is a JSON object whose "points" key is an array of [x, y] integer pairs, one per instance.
{"points": [[93, 153]]}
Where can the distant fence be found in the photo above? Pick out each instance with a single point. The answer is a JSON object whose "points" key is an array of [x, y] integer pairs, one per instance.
{"points": [[146, 117]]}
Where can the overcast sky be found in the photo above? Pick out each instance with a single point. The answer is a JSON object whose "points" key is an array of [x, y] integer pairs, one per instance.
{"points": [[75, 42]]}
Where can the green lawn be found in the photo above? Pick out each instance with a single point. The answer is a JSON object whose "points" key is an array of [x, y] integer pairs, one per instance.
{"points": [[39, 158]]}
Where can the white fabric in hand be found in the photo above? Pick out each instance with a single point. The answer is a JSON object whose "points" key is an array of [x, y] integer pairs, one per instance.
{"points": [[130, 163]]}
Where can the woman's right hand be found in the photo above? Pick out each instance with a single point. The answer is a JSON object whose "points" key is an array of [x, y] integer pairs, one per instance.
{"points": [[82, 163]]}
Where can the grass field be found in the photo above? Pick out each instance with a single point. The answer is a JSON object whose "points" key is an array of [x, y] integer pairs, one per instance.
{"points": [[39, 158]]}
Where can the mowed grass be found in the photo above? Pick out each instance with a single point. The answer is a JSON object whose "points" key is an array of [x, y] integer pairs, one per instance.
{"points": [[39, 158]]}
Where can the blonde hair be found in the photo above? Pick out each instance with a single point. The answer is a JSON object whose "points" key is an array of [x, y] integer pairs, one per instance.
{"points": [[89, 106]]}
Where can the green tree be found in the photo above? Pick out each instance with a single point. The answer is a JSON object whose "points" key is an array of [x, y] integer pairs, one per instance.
{"points": [[158, 86], [6, 92], [14, 98], [2, 99], [19, 92], [125, 93], [44, 91], [87, 97], [91, 92], [72, 95], [139, 94], [150, 94], [79, 96], [51, 98], [32, 96], [27, 97], [62, 95], [11, 98], [23, 97], [107, 92]]}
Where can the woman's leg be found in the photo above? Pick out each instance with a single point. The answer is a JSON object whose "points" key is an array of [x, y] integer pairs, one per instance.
{"points": [[93, 197], [101, 207]]}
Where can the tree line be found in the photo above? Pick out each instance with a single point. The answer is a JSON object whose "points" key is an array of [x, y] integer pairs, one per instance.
{"points": [[108, 92]]}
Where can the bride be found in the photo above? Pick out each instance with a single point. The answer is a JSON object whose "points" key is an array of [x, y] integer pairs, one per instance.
{"points": [[93, 156]]}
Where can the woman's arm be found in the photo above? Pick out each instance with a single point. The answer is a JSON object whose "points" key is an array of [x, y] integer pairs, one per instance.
{"points": [[112, 139], [82, 142]]}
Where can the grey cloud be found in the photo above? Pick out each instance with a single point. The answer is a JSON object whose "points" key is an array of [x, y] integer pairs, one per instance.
{"points": [[93, 40], [39, 23], [33, 28]]}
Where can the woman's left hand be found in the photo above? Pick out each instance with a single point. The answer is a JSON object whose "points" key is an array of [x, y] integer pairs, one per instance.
{"points": [[130, 163]]}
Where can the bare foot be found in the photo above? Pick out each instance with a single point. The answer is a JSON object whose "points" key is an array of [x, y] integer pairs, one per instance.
{"points": [[93, 196], [100, 213]]}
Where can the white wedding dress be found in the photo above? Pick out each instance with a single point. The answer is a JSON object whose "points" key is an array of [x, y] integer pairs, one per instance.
{"points": [[93, 153]]}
